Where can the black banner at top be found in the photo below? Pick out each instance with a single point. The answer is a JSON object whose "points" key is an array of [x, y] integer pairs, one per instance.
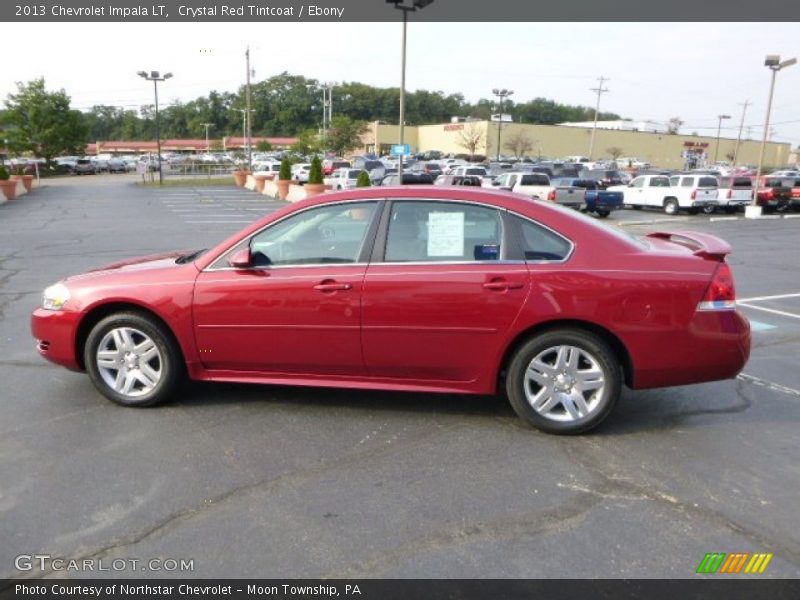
{"points": [[381, 10]]}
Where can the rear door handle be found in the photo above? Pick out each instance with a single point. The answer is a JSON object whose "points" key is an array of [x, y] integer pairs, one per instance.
{"points": [[332, 286], [502, 286]]}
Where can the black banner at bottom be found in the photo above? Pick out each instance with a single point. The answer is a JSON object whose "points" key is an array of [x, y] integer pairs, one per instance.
{"points": [[399, 589]]}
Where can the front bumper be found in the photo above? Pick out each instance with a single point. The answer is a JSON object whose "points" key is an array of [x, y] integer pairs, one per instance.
{"points": [[55, 334]]}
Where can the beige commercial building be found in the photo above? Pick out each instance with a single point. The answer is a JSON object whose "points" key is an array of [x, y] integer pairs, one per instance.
{"points": [[556, 141]]}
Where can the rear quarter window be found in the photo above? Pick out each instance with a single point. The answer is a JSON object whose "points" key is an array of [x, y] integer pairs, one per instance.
{"points": [[541, 244]]}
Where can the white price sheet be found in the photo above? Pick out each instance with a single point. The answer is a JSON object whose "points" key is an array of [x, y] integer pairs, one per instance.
{"points": [[446, 234]]}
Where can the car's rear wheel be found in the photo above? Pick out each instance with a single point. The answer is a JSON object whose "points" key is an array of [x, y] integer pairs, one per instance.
{"points": [[671, 206], [709, 210], [603, 213], [132, 361], [564, 381]]}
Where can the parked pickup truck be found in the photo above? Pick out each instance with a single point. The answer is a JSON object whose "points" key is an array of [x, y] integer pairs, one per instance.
{"points": [[689, 192], [734, 191], [774, 193], [539, 186], [598, 200]]}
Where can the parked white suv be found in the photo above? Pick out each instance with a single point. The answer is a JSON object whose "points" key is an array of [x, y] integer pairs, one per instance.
{"points": [[689, 192]]}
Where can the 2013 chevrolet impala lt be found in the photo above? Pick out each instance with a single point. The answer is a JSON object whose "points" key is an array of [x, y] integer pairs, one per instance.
{"points": [[420, 289]]}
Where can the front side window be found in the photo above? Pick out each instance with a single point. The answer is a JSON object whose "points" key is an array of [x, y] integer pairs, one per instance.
{"points": [[443, 232], [332, 234], [638, 182]]}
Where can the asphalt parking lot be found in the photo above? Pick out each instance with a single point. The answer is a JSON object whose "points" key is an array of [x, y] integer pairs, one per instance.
{"points": [[296, 482]]}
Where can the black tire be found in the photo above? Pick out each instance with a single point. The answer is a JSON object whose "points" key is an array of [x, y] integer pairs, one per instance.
{"points": [[169, 360], [603, 213], [671, 206], [710, 209], [589, 344]]}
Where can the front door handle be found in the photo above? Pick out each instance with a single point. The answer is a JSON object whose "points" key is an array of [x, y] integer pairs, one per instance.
{"points": [[332, 286], [502, 285]]}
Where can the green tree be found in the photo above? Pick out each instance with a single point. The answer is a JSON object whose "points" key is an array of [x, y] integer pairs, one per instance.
{"points": [[263, 146], [307, 143], [42, 122], [315, 172], [345, 134], [363, 180]]}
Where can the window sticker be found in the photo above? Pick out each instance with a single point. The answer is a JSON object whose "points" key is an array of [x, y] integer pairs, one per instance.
{"points": [[446, 234]]}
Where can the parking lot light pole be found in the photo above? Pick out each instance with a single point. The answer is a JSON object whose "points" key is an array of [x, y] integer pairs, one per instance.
{"points": [[719, 130], [399, 5], [773, 62], [155, 77], [501, 94]]}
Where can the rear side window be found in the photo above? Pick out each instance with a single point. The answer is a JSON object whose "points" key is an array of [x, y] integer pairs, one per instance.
{"points": [[540, 244], [443, 232], [687, 182], [707, 182], [534, 179]]}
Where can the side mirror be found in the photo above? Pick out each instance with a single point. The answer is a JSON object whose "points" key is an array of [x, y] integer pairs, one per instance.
{"points": [[241, 259]]}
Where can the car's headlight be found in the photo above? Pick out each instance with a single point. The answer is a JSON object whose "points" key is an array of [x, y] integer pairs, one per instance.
{"points": [[55, 297]]}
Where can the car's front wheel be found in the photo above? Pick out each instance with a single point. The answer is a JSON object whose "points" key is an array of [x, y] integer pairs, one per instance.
{"points": [[132, 361], [564, 381], [603, 213], [671, 206]]}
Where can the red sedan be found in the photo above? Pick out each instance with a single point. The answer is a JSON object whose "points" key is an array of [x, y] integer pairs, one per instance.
{"points": [[420, 289]]}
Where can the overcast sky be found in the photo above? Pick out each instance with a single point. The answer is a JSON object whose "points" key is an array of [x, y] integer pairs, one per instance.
{"points": [[694, 71]]}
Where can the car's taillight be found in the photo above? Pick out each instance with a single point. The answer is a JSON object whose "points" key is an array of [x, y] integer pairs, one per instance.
{"points": [[694, 194], [770, 194], [730, 193], [721, 293], [551, 195]]}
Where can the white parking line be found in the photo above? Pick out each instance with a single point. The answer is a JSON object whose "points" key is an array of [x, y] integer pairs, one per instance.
{"points": [[769, 310], [775, 297], [775, 387]]}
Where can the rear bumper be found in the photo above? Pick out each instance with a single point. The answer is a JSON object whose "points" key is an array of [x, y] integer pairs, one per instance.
{"points": [[715, 346], [54, 332]]}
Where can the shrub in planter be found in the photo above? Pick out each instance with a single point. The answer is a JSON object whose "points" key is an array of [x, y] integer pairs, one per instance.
{"points": [[284, 178], [315, 183], [7, 187], [363, 179]]}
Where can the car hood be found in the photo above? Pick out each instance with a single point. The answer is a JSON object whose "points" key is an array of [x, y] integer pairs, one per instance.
{"points": [[151, 262]]}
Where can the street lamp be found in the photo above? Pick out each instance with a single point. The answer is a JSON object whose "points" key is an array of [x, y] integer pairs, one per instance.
{"points": [[208, 145], [155, 77], [399, 5], [501, 94], [719, 129], [773, 62]]}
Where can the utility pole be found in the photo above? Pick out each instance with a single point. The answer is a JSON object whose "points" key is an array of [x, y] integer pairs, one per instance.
{"points": [[248, 128], [327, 109], [208, 145], [744, 104], [600, 90]]}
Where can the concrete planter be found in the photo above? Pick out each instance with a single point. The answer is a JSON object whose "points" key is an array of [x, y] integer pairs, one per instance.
{"points": [[240, 177], [27, 181], [261, 180], [283, 188], [9, 188], [314, 189]]}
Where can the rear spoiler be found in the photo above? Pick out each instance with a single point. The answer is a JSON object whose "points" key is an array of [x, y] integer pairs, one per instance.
{"points": [[701, 244]]}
